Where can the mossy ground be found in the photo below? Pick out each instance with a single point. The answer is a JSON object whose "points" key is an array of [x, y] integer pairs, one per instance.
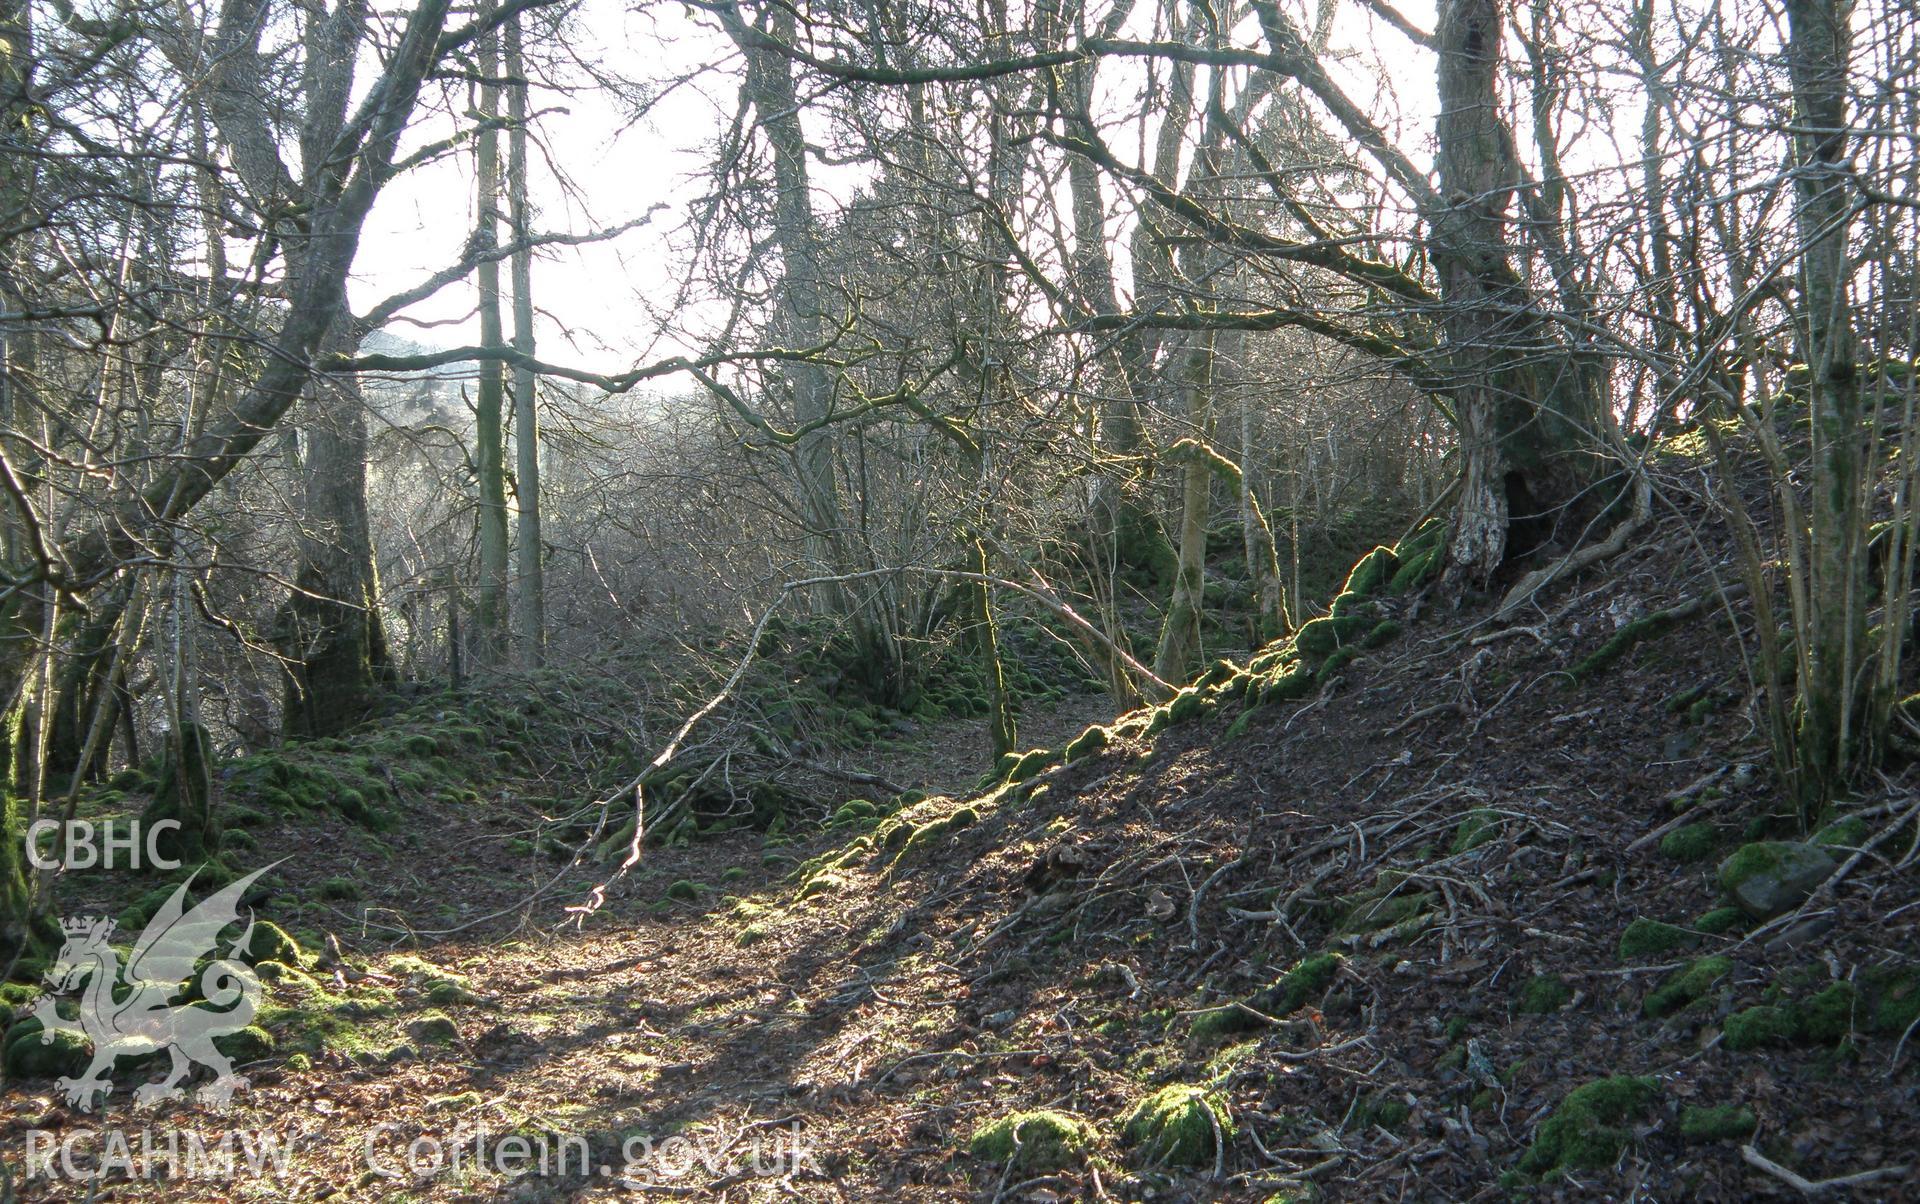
{"points": [[1722, 1122], [1544, 994], [1589, 1128], [1033, 1143], [1645, 938], [918, 1001], [1178, 1125], [1685, 986]]}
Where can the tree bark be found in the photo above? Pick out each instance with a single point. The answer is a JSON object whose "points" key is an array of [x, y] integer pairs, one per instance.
{"points": [[1527, 422], [336, 637], [770, 88], [1834, 721], [490, 468], [1180, 633], [529, 605]]}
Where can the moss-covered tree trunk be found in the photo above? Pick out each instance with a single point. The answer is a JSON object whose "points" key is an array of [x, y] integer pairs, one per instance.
{"points": [[1256, 534], [987, 636], [87, 691], [1180, 634], [1836, 695], [17, 928], [24, 930], [185, 795]]}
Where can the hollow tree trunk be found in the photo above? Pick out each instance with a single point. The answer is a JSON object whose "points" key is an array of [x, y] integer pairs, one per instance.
{"points": [[1527, 416]]}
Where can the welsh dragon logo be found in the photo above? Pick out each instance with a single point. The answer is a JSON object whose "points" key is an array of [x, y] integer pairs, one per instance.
{"points": [[152, 1008]]}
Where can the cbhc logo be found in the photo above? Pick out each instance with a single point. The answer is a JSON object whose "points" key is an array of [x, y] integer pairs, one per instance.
{"points": [[84, 845]]}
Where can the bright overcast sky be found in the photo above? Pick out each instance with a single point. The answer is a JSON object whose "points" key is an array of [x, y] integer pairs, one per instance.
{"points": [[597, 292]]}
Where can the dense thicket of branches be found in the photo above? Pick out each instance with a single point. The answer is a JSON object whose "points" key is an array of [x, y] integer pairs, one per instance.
{"points": [[1155, 313]]}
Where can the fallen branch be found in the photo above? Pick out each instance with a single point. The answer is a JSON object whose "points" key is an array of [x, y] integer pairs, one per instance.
{"points": [[859, 777], [1813, 1187], [1440, 708]]}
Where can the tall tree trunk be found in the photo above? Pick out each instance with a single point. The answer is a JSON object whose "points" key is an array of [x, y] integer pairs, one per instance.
{"points": [[490, 611], [337, 638], [1263, 557], [1832, 719], [1193, 370], [530, 600], [1123, 519], [21, 928], [1180, 634], [1526, 412], [770, 88]]}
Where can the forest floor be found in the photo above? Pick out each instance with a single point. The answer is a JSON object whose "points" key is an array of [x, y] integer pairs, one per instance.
{"points": [[1479, 839]]}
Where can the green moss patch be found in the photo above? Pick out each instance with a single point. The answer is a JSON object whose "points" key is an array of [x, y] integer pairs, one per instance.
{"points": [[250, 1044], [1685, 986], [1289, 685], [1825, 1018], [1829, 1015], [1035, 1143], [1477, 827], [1384, 912], [1770, 877], [1761, 1027], [1087, 743], [1371, 574], [1589, 1129], [1307, 981], [1724, 1122], [1420, 557], [27, 1057], [1898, 1006], [1719, 920], [1645, 938], [1179, 1125], [1690, 842], [1623, 641], [1849, 833], [1030, 764], [340, 889], [853, 811], [1188, 704], [434, 1028], [1385, 632], [1544, 994], [268, 942], [1322, 637]]}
